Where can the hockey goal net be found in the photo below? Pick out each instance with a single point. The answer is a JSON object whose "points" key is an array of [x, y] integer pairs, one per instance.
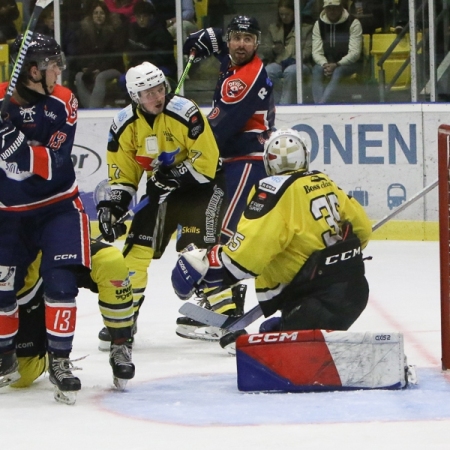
{"points": [[444, 238]]}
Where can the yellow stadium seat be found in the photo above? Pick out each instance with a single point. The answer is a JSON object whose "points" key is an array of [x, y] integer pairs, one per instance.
{"points": [[201, 11], [380, 43], [4, 62], [18, 23]]}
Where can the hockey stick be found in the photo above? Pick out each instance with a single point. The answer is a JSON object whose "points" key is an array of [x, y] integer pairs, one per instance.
{"points": [[185, 72], [214, 319], [26, 41], [129, 214], [403, 206]]}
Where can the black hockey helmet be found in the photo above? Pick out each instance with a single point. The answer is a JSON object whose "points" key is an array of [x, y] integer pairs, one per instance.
{"points": [[245, 24], [41, 51]]}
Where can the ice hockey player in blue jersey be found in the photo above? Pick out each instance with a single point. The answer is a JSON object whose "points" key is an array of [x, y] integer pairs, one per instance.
{"points": [[242, 116], [40, 208]]}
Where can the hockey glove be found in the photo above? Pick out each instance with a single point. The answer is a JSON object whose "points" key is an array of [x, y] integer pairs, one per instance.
{"points": [[197, 269], [205, 42], [160, 185], [109, 211], [12, 141]]}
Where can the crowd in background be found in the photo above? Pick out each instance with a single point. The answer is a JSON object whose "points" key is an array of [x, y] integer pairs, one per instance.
{"points": [[102, 38]]}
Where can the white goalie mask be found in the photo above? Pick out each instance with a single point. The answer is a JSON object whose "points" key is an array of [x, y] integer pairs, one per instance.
{"points": [[284, 151], [143, 77]]}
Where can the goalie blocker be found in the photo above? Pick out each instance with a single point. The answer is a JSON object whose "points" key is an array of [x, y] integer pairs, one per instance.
{"points": [[317, 360]]}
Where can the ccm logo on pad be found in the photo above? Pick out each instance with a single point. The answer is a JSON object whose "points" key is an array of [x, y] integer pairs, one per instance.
{"points": [[272, 337]]}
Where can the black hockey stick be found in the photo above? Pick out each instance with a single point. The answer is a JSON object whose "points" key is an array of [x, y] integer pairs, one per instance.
{"points": [[27, 37]]}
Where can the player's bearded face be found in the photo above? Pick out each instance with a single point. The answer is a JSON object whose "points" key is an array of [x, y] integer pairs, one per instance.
{"points": [[242, 47], [152, 100]]}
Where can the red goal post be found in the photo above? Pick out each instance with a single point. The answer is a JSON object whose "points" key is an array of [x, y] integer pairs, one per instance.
{"points": [[444, 238]]}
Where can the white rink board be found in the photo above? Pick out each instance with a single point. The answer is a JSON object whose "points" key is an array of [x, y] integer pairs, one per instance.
{"points": [[386, 153]]}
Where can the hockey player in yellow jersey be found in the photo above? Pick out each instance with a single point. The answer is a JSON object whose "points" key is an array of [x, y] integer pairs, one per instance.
{"points": [[109, 277], [301, 238], [167, 139]]}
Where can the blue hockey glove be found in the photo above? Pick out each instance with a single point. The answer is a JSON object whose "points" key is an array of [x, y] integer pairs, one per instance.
{"points": [[197, 269], [12, 141], [205, 42], [270, 325]]}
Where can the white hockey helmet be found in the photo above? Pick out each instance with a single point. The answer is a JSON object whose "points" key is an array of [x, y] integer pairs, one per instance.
{"points": [[285, 150], [142, 77]]}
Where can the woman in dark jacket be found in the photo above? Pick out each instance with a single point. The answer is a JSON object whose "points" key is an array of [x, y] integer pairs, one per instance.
{"points": [[100, 48]]}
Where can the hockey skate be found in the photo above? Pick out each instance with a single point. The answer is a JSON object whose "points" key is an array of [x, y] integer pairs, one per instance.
{"points": [[120, 361], [191, 329], [104, 338], [66, 384], [9, 368]]}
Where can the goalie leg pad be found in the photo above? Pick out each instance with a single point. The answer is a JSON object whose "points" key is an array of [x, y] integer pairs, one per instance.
{"points": [[317, 360]]}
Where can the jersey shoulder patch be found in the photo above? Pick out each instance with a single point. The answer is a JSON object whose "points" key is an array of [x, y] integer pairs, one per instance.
{"points": [[64, 96], [188, 113], [236, 87], [267, 194], [121, 120]]}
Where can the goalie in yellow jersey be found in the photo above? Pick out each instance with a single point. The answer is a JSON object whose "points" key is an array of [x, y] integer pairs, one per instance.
{"points": [[300, 237], [110, 278]]}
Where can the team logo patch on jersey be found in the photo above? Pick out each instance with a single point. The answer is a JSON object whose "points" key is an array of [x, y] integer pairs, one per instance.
{"points": [[27, 114], [234, 88]]}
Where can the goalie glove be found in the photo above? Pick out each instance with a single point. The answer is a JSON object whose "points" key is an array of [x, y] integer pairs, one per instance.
{"points": [[204, 42], [110, 211], [197, 269]]}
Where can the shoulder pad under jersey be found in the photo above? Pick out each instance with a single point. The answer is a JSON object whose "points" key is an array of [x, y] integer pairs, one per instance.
{"points": [[121, 120], [267, 194], [68, 101], [187, 112]]}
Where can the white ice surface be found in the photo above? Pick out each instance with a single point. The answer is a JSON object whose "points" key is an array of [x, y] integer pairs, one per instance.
{"points": [[184, 395]]}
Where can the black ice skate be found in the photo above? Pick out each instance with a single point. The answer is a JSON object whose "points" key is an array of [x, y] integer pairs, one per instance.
{"points": [[104, 338], [66, 384], [120, 361], [9, 368]]}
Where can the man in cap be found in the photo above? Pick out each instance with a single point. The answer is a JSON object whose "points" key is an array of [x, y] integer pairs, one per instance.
{"points": [[336, 49]]}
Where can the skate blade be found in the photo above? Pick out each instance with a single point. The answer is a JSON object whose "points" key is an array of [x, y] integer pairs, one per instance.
{"points": [[6, 380], [104, 346], [199, 334], [66, 397], [120, 383]]}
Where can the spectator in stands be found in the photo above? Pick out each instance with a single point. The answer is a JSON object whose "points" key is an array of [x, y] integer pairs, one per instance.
{"points": [[99, 50], [46, 22], [337, 45], [281, 67], [123, 8], [9, 12], [149, 40], [370, 13], [166, 13]]}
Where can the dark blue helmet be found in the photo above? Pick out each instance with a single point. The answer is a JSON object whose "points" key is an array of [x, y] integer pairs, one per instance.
{"points": [[245, 24], [41, 51]]}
